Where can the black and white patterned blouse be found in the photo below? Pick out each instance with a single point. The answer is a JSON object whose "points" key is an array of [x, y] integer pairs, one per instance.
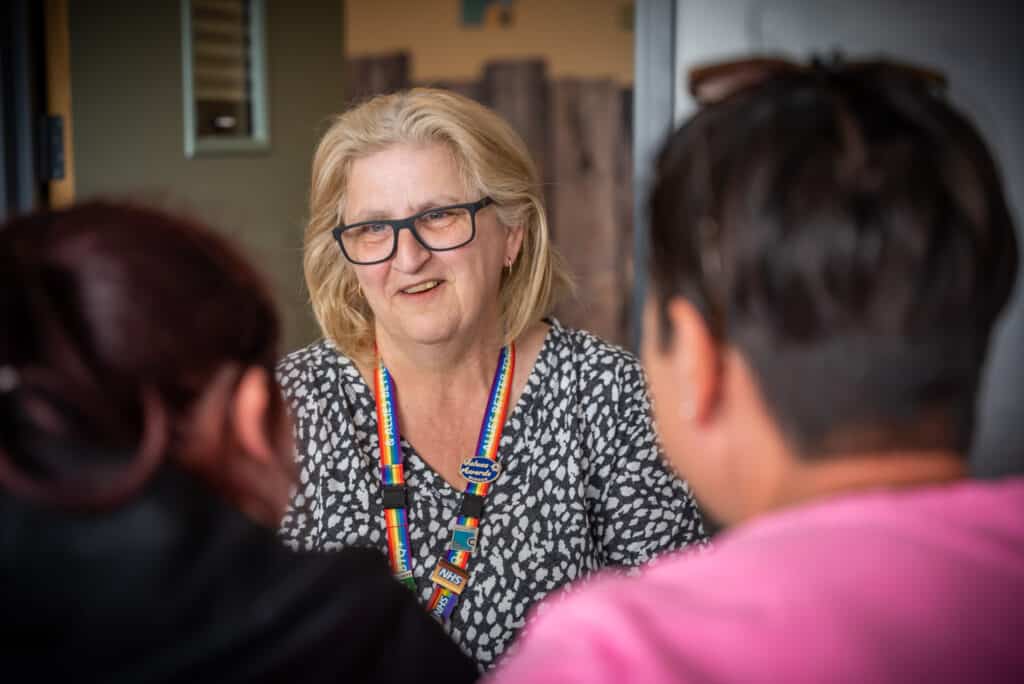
{"points": [[582, 484]]}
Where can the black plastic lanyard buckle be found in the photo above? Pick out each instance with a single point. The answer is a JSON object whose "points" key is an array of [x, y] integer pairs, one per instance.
{"points": [[395, 496]]}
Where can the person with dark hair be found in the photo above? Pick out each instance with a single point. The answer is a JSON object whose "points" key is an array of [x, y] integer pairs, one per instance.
{"points": [[146, 459], [831, 248]]}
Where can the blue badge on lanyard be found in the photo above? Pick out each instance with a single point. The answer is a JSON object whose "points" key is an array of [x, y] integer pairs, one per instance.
{"points": [[463, 539], [480, 469]]}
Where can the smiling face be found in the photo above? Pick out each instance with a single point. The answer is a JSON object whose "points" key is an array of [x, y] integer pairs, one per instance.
{"points": [[419, 296]]}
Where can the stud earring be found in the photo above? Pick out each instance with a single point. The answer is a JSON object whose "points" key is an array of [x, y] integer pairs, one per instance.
{"points": [[508, 264]]}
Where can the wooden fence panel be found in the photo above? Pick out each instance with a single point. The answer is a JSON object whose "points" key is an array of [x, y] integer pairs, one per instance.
{"points": [[474, 90], [519, 91], [586, 124], [626, 267], [369, 76]]}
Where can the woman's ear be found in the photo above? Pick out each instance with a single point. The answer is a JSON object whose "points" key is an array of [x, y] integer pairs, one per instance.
{"points": [[232, 443], [249, 415], [695, 360], [513, 242]]}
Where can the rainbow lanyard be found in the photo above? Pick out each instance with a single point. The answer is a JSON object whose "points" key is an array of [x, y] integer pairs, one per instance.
{"points": [[450, 577]]}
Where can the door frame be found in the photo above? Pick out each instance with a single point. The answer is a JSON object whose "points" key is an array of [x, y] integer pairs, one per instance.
{"points": [[654, 104]]}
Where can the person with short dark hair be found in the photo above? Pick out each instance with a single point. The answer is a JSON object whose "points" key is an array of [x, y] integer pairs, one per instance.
{"points": [[146, 459], [831, 248]]}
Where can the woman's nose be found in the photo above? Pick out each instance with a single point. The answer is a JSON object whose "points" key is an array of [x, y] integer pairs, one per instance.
{"points": [[410, 254]]}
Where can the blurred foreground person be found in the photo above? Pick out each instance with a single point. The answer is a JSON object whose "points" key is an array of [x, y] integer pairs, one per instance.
{"points": [[145, 460], [831, 249]]}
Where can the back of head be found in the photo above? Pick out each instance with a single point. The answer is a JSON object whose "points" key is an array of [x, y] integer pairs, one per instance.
{"points": [[845, 229], [112, 317]]}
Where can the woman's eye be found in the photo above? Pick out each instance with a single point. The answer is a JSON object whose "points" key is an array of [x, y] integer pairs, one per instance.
{"points": [[367, 230], [439, 215]]}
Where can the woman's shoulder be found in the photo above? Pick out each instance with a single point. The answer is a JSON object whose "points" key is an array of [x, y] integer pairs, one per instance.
{"points": [[319, 354], [345, 594], [316, 365], [591, 355]]}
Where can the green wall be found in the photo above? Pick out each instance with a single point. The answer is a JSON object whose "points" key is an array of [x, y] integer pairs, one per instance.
{"points": [[126, 86]]}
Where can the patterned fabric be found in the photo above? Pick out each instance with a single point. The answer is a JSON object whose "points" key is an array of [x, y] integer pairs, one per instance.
{"points": [[582, 485]]}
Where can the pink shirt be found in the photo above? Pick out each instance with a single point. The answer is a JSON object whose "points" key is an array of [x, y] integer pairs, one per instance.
{"points": [[922, 585]]}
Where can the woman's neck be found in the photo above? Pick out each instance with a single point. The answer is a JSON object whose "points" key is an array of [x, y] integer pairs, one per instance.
{"points": [[457, 366], [442, 390]]}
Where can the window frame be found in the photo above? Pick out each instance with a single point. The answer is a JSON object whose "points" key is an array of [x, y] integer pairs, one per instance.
{"points": [[210, 146]]}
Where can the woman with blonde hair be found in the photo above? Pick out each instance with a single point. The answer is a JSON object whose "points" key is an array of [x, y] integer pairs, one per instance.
{"points": [[431, 271]]}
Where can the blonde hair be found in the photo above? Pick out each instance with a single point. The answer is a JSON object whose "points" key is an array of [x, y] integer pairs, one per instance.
{"points": [[493, 161]]}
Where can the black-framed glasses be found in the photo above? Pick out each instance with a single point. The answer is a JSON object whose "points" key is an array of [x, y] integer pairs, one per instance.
{"points": [[439, 229]]}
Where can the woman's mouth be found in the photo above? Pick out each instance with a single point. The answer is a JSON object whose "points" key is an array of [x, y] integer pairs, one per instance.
{"points": [[422, 287]]}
